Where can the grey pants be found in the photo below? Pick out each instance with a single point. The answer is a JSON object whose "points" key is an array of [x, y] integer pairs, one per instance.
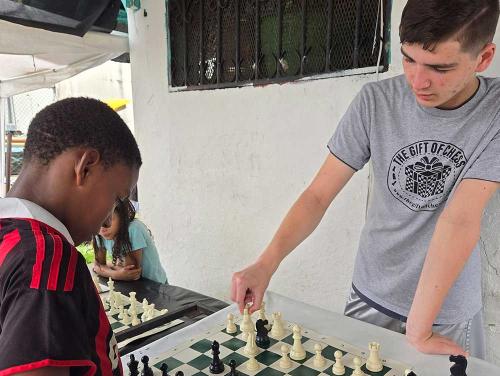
{"points": [[468, 334]]}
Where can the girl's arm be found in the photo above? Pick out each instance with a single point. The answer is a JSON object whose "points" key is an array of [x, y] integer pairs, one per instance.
{"points": [[125, 273]]}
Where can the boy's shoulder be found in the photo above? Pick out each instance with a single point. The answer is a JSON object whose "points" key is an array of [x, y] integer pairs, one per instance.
{"points": [[37, 256]]}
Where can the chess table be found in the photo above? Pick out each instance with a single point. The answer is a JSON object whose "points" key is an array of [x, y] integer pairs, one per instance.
{"points": [[329, 328]]}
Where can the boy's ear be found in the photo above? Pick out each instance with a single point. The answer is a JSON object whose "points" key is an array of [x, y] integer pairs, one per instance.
{"points": [[486, 57], [86, 161]]}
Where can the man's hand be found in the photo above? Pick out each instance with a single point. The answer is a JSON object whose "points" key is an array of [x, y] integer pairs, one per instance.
{"points": [[434, 343], [249, 285]]}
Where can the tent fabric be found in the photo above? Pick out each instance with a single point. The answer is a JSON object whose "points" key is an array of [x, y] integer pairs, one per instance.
{"points": [[34, 58]]}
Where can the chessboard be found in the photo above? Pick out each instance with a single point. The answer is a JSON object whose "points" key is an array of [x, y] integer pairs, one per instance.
{"points": [[194, 357]]}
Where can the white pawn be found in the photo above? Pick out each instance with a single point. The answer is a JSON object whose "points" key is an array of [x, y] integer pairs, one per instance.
{"points": [[133, 302], [112, 304], [126, 318], [247, 324], [285, 361], [251, 347], [338, 368], [152, 312], [298, 352], [120, 315], [231, 326], [135, 319], [277, 330], [111, 286], [357, 367], [319, 359], [374, 363], [144, 304], [95, 278], [252, 364]]}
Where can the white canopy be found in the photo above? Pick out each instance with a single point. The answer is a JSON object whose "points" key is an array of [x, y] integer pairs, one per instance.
{"points": [[33, 58]]}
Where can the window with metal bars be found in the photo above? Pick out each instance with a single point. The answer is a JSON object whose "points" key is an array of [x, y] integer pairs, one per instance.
{"points": [[228, 43]]}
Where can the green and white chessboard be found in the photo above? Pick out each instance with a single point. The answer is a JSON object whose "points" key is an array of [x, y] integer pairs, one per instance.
{"points": [[194, 357]]}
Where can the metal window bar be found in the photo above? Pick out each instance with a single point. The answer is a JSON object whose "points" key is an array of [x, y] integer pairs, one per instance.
{"points": [[262, 73]]}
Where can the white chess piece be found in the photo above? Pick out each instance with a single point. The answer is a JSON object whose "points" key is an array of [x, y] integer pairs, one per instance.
{"points": [[262, 311], [135, 319], [251, 348], [298, 352], [95, 278], [319, 359], [133, 302], [277, 329], [357, 367], [111, 286], [285, 361], [252, 364], [105, 305], [374, 363], [126, 318], [152, 312], [338, 368], [121, 310], [144, 304], [112, 303], [231, 326], [247, 324]]}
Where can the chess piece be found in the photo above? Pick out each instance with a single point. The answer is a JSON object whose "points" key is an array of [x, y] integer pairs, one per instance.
{"points": [[151, 313], [144, 304], [216, 366], [298, 352], [338, 368], [164, 369], [277, 329], [135, 320], [460, 366], [126, 318], [179, 373], [232, 365], [357, 367], [120, 314], [95, 278], [252, 364], [112, 303], [111, 286], [374, 363], [251, 347], [319, 359], [409, 372], [285, 361], [231, 326], [105, 305], [262, 311], [262, 340], [146, 369], [133, 366], [247, 325]]}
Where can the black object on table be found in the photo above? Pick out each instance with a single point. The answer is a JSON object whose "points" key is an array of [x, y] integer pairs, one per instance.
{"points": [[216, 366], [181, 303]]}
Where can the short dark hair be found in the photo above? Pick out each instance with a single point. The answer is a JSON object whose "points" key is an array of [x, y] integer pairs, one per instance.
{"points": [[428, 22], [86, 122]]}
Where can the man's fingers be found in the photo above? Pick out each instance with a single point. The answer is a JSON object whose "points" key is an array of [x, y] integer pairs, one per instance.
{"points": [[257, 301]]}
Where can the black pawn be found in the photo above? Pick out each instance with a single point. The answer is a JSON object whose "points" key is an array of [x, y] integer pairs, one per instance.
{"points": [[262, 339], [179, 373], [164, 369], [411, 374], [216, 366], [146, 369], [232, 364], [460, 366], [133, 366]]}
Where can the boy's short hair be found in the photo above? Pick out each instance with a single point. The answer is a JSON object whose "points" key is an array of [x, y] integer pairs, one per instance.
{"points": [[471, 22], [86, 122]]}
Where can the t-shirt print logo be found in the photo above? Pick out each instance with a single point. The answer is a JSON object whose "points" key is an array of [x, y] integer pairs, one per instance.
{"points": [[421, 175], [426, 177]]}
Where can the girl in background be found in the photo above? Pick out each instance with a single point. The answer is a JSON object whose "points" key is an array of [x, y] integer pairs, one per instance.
{"points": [[130, 245]]}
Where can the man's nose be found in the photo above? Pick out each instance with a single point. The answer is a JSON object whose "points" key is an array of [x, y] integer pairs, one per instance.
{"points": [[421, 79]]}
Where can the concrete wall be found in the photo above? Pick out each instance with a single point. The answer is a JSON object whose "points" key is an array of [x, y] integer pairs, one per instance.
{"points": [[222, 167]]}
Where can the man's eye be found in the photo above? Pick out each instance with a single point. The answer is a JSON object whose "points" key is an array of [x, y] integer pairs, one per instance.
{"points": [[441, 70], [408, 60]]}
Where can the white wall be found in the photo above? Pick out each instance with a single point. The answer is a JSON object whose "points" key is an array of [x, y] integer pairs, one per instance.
{"points": [[222, 167]]}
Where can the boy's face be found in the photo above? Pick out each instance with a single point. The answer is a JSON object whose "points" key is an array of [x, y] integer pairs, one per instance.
{"points": [[107, 186], [444, 77]]}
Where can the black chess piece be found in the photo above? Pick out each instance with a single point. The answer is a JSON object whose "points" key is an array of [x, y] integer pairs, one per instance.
{"points": [[262, 339], [460, 366], [133, 366], [216, 366], [179, 373], [164, 369], [411, 374], [232, 365], [146, 369]]}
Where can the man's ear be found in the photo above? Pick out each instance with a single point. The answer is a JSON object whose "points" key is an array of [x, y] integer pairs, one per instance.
{"points": [[486, 57], [86, 161]]}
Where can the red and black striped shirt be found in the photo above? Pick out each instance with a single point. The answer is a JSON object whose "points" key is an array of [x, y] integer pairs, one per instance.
{"points": [[50, 312]]}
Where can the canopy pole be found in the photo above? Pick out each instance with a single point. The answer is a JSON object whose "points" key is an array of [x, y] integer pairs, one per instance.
{"points": [[3, 187]]}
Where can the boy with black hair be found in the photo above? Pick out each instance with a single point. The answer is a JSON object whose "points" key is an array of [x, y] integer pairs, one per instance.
{"points": [[433, 138], [80, 159]]}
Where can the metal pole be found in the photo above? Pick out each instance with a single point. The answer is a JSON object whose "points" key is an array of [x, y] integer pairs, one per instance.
{"points": [[3, 106]]}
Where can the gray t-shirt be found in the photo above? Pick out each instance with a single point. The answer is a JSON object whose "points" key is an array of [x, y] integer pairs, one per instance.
{"points": [[419, 155]]}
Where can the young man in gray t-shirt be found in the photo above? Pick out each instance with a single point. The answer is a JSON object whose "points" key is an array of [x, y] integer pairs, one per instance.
{"points": [[433, 138]]}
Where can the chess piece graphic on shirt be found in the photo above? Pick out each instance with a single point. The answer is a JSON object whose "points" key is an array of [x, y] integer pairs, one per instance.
{"points": [[216, 366]]}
